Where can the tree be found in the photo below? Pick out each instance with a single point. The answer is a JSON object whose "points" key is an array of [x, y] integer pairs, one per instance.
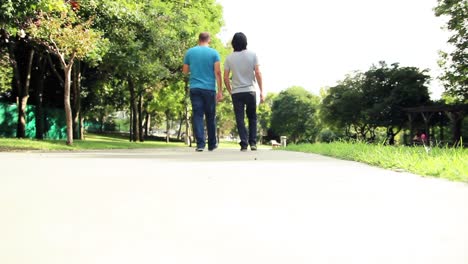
{"points": [[13, 17], [365, 101], [68, 38], [293, 114], [343, 107], [388, 90], [455, 63], [168, 100], [146, 43]]}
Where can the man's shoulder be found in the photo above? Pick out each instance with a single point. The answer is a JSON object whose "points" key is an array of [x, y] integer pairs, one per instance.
{"points": [[251, 53], [213, 50], [203, 49]]}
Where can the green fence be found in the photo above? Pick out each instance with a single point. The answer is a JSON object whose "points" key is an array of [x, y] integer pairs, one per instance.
{"points": [[54, 125]]}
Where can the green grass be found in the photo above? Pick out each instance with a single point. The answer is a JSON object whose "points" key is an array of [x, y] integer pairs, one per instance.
{"points": [[92, 141], [447, 163]]}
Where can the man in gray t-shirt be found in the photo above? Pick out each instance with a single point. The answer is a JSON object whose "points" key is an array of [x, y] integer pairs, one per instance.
{"points": [[245, 70]]}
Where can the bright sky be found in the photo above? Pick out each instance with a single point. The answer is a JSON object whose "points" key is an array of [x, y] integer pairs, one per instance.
{"points": [[314, 43]]}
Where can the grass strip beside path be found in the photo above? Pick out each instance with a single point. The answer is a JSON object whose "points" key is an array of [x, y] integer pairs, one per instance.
{"points": [[447, 163], [92, 142]]}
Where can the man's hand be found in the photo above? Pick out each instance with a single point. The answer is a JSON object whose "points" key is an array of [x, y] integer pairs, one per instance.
{"points": [[262, 97], [219, 97]]}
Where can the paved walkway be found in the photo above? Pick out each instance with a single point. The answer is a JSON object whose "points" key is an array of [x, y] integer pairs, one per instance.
{"points": [[223, 207]]}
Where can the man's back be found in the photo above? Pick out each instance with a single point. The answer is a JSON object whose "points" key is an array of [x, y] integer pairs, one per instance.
{"points": [[242, 64], [201, 60]]}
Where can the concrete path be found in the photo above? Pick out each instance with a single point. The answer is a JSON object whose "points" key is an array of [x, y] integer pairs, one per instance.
{"points": [[223, 207]]}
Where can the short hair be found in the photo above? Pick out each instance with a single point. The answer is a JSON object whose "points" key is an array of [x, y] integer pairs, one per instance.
{"points": [[239, 41], [204, 37]]}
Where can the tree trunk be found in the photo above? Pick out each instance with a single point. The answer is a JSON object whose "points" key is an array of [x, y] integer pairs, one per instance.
{"points": [[168, 126], [102, 116], [76, 100], [140, 118], [130, 123], [180, 128], [42, 62], [187, 117], [23, 95], [441, 127], [457, 125], [66, 101], [147, 124], [457, 120], [17, 80], [410, 122], [82, 130], [134, 109], [390, 136]]}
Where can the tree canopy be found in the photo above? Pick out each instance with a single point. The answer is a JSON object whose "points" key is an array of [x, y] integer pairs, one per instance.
{"points": [[293, 114], [455, 63], [364, 101]]}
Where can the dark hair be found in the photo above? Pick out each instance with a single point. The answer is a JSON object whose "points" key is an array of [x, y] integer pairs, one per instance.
{"points": [[204, 37], [239, 41]]}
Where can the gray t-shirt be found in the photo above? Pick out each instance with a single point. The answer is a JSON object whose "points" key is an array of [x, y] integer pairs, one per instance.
{"points": [[242, 65]]}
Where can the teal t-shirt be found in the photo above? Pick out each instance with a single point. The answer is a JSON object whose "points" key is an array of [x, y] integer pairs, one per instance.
{"points": [[201, 60]]}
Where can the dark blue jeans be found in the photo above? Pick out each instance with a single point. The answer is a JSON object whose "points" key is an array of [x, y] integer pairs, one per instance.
{"points": [[204, 105], [246, 102]]}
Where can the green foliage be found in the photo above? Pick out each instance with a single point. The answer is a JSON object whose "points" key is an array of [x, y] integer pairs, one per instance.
{"points": [[388, 90], [365, 101], [169, 100], [343, 105], [264, 112], [326, 136], [139, 40], [6, 73], [448, 163], [455, 63], [225, 117], [293, 114], [65, 34]]}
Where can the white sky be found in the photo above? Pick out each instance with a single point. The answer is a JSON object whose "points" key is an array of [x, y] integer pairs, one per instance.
{"points": [[314, 43]]}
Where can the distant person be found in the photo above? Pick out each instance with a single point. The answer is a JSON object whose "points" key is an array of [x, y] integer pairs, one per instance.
{"points": [[203, 64], [245, 69], [423, 138]]}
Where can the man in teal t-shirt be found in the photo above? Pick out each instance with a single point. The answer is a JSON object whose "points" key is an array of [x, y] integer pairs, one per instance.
{"points": [[203, 64]]}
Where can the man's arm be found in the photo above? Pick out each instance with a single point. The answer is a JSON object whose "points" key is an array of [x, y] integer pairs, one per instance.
{"points": [[227, 81], [186, 69], [258, 76], [217, 71]]}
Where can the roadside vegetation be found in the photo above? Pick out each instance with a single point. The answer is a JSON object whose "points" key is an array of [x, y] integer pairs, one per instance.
{"points": [[92, 142], [447, 163]]}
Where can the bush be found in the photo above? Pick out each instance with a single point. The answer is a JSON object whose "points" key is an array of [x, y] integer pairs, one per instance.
{"points": [[326, 136]]}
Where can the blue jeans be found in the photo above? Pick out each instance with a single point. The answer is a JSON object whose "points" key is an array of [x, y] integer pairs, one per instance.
{"points": [[246, 102], [204, 105]]}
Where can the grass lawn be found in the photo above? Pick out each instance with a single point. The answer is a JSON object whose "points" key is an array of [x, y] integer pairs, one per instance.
{"points": [[92, 141], [95, 141], [448, 163]]}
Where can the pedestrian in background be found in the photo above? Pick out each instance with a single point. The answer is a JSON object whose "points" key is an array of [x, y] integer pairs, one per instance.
{"points": [[245, 69], [203, 65]]}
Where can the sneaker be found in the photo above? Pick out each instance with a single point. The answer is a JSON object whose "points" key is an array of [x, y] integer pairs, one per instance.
{"points": [[199, 149], [213, 148], [253, 147], [243, 149]]}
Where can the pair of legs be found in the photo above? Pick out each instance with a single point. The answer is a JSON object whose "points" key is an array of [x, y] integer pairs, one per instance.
{"points": [[204, 106], [246, 103]]}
